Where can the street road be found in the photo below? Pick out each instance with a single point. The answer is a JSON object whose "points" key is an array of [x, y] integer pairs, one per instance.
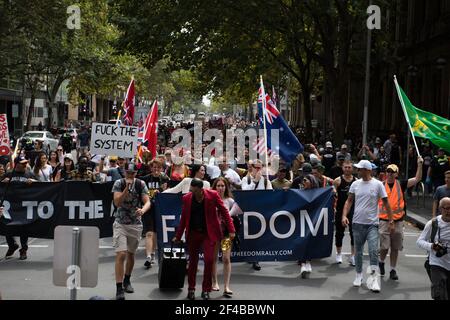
{"points": [[32, 279]]}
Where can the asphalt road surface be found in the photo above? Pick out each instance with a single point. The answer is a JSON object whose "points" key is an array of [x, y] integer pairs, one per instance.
{"points": [[32, 279]]}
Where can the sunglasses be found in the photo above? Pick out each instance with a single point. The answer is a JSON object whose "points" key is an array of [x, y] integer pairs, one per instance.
{"points": [[59, 149], [390, 171]]}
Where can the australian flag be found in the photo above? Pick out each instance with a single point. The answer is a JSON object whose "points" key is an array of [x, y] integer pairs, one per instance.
{"points": [[287, 146]]}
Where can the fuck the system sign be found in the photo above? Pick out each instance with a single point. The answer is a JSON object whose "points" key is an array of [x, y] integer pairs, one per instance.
{"points": [[111, 139]]}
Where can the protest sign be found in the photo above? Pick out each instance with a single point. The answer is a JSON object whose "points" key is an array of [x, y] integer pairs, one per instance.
{"points": [[111, 139], [4, 136]]}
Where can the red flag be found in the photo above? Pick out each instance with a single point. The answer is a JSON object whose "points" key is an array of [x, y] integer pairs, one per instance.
{"points": [[150, 137], [128, 105]]}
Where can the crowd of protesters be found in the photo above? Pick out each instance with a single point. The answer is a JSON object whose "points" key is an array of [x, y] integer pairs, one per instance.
{"points": [[372, 216]]}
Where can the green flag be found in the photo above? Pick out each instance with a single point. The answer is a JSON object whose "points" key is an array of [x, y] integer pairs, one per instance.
{"points": [[427, 125]]}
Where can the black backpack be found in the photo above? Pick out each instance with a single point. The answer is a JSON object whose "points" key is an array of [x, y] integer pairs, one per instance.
{"points": [[434, 230]]}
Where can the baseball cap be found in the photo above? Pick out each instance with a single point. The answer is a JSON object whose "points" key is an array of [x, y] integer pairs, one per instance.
{"points": [[392, 167], [20, 159], [364, 164], [306, 168], [341, 157], [68, 156], [328, 144], [344, 146], [131, 167]]}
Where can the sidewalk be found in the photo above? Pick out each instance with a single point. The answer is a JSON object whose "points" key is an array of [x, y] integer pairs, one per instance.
{"points": [[419, 210]]}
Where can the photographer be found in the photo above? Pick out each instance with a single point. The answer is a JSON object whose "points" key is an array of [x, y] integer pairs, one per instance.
{"points": [[438, 251]]}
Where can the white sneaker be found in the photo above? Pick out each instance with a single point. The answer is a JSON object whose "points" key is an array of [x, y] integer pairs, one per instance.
{"points": [[338, 258], [304, 271], [308, 267], [351, 260], [358, 280], [373, 284]]}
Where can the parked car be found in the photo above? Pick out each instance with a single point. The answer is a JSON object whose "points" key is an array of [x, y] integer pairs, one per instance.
{"points": [[49, 141]]}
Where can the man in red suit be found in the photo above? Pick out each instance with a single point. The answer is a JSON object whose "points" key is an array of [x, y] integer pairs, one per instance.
{"points": [[200, 219]]}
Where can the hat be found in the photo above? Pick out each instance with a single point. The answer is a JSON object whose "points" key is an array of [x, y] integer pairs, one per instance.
{"points": [[393, 167], [20, 159], [306, 168], [328, 144], [364, 164], [68, 156], [340, 157], [131, 167], [113, 158], [344, 146]]}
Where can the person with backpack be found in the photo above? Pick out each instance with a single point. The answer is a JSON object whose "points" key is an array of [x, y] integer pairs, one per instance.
{"points": [[435, 238], [132, 201]]}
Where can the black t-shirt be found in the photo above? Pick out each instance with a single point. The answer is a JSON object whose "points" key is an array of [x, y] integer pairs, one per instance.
{"points": [[438, 168], [335, 172], [20, 176], [198, 219], [297, 183], [328, 160], [155, 183]]}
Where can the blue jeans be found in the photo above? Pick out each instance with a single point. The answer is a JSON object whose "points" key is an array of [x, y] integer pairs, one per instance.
{"points": [[361, 233]]}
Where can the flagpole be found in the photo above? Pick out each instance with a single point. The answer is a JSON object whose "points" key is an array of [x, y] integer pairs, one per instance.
{"points": [[406, 115], [264, 123]]}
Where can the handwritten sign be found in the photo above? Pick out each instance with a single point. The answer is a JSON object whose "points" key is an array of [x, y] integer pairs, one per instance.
{"points": [[4, 136], [111, 139]]}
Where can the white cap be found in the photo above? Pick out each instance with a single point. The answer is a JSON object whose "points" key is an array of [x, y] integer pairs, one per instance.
{"points": [[364, 164], [328, 144], [313, 157]]}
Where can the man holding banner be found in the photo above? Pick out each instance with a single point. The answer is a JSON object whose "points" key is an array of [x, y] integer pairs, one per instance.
{"points": [[200, 220]]}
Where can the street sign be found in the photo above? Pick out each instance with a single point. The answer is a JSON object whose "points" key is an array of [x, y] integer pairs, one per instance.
{"points": [[75, 257]]}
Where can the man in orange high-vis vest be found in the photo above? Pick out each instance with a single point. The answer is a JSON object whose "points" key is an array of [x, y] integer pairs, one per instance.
{"points": [[395, 190]]}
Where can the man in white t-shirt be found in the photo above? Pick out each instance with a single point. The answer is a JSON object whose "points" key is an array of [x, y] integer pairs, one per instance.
{"points": [[365, 193]]}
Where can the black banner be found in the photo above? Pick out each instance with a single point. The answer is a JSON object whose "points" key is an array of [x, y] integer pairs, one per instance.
{"points": [[36, 209]]}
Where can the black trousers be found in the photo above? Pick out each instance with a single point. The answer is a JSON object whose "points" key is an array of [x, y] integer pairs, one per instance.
{"points": [[440, 283], [340, 229], [22, 234]]}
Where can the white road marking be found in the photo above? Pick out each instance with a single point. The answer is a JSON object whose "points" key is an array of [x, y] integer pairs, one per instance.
{"points": [[29, 246], [416, 255]]}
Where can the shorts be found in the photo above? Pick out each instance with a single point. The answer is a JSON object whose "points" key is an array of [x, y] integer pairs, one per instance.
{"points": [[388, 240], [126, 237], [148, 221]]}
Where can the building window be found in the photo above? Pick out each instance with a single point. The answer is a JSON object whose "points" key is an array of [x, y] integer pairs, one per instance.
{"points": [[38, 112]]}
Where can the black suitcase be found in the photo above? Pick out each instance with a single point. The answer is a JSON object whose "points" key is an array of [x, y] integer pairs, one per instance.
{"points": [[172, 268]]}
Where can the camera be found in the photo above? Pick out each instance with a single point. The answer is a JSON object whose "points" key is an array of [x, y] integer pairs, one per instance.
{"points": [[441, 250]]}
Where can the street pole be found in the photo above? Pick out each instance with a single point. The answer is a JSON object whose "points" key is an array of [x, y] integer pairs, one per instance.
{"points": [[75, 258], [367, 83]]}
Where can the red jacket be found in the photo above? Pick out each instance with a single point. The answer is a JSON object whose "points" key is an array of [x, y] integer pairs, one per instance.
{"points": [[213, 208]]}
